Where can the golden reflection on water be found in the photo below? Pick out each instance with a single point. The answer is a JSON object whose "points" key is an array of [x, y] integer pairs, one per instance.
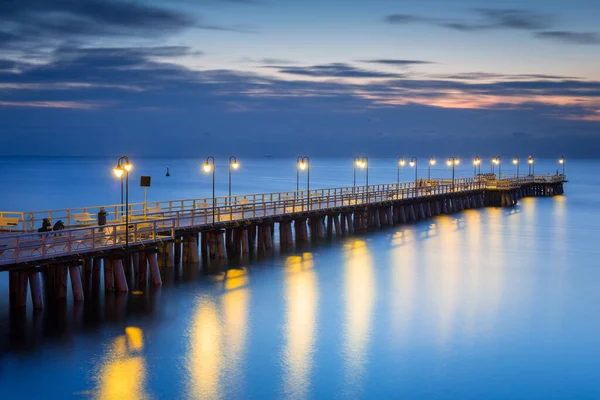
{"points": [[359, 294], [218, 339], [449, 275], [404, 279], [301, 325], [235, 307], [123, 374]]}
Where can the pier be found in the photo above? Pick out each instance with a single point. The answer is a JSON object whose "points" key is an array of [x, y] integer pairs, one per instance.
{"points": [[161, 235]]}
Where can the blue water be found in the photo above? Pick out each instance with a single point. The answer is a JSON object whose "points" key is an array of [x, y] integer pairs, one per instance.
{"points": [[485, 304]]}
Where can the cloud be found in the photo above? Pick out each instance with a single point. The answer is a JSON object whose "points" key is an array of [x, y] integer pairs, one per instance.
{"points": [[397, 62], [334, 70], [405, 19], [485, 19], [93, 17], [31, 27], [570, 37], [484, 76], [514, 19], [122, 93], [490, 19], [271, 61]]}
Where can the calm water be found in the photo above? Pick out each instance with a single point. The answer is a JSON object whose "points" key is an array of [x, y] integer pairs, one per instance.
{"points": [[486, 304]]}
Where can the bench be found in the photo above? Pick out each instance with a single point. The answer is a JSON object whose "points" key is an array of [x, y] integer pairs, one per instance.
{"points": [[9, 221], [156, 210], [82, 218], [202, 206]]}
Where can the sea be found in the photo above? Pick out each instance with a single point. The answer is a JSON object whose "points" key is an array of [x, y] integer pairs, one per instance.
{"points": [[494, 303]]}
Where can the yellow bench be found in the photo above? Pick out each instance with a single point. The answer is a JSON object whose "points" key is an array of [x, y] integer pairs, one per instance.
{"points": [[82, 218], [9, 221]]}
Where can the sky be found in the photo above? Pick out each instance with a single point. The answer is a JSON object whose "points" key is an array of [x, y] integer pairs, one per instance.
{"points": [[287, 77]]}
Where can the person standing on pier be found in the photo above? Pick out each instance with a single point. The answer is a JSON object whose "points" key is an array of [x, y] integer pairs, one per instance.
{"points": [[101, 218]]}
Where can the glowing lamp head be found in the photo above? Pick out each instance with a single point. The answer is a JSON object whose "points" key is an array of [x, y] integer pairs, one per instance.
{"points": [[235, 165], [207, 167], [456, 161], [118, 171], [515, 161], [561, 160], [476, 161], [432, 161], [402, 163], [530, 160], [412, 163], [128, 166], [302, 165], [449, 163]]}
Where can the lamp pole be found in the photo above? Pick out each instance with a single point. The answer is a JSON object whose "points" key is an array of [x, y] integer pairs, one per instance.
{"points": [[476, 163], [122, 179], [499, 162], [561, 161], [124, 166], [516, 162], [233, 164], [401, 163], [531, 162], [364, 163], [209, 166], [431, 162], [303, 163], [452, 162], [414, 163]]}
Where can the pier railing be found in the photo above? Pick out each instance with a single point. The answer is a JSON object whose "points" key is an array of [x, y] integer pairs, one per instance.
{"points": [[86, 216], [29, 247]]}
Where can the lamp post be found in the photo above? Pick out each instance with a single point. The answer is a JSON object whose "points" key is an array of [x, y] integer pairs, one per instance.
{"points": [[364, 164], [209, 166], [476, 164], [431, 162], [233, 164], [531, 163], [452, 162], [123, 165], [401, 163], [303, 163], [496, 161], [516, 162], [414, 163], [561, 161]]}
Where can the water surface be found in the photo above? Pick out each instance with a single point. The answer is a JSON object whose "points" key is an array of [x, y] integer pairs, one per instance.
{"points": [[485, 304]]}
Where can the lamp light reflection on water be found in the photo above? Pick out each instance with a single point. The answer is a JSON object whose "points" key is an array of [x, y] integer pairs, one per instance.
{"points": [[359, 295], [218, 340], [123, 374], [301, 325]]}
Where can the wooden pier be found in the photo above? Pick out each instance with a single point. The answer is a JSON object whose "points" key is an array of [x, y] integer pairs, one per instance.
{"points": [[165, 234]]}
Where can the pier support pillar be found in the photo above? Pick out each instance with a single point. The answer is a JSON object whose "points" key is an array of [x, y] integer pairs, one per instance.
{"points": [[36, 290], [76, 286], [154, 271], [119, 276]]}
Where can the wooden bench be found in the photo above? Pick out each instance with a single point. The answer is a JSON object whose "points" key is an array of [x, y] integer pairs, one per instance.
{"points": [[82, 218], [155, 211], [9, 222]]}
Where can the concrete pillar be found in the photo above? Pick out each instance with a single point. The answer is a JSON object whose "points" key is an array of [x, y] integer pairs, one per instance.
{"points": [[36, 290], [154, 271], [119, 276]]}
